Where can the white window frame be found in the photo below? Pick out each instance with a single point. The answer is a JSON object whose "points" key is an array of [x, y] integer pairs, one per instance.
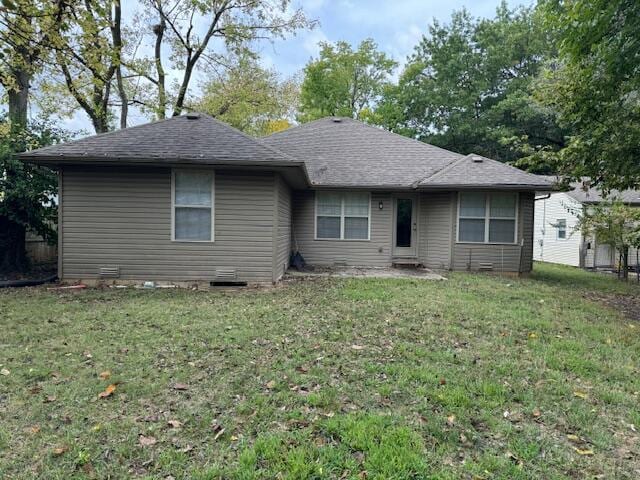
{"points": [[566, 230], [487, 218], [173, 204], [342, 217]]}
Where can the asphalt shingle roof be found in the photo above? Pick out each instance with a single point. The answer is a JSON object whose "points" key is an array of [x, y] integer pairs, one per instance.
{"points": [[594, 195], [345, 152], [200, 139], [478, 171]]}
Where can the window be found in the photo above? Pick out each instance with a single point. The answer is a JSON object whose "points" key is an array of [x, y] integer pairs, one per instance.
{"points": [[561, 228], [487, 218], [192, 205], [342, 216]]}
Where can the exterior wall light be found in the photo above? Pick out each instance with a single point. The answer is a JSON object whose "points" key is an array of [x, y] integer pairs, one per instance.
{"points": [[380, 205]]}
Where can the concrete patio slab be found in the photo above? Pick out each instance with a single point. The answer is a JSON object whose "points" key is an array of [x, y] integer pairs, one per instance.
{"points": [[368, 272]]}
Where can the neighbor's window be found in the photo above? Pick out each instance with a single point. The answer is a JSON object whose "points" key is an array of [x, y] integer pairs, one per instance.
{"points": [[561, 227], [192, 205], [342, 216], [487, 218]]}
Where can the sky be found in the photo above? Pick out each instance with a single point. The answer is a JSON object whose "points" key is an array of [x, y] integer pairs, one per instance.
{"points": [[396, 26]]}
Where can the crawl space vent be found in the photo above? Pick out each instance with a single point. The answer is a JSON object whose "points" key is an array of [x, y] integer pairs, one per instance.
{"points": [[109, 272], [485, 267], [226, 277]]}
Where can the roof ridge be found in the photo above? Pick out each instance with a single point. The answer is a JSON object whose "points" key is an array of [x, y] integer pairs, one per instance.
{"points": [[361, 123], [444, 169], [255, 140]]}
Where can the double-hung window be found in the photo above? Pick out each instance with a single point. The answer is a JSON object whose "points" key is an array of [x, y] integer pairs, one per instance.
{"points": [[192, 203], [487, 217], [561, 228], [342, 216]]}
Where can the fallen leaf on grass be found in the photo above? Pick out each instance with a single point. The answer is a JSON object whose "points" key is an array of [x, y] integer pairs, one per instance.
{"points": [[186, 449], [60, 450], [443, 381], [302, 369], [106, 374], [357, 347], [573, 438], [270, 384], [4, 372], [219, 434], [451, 420], [33, 429], [580, 394], [174, 423], [50, 399], [533, 335], [180, 386], [107, 391], [536, 412], [146, 441], [585, 451]]}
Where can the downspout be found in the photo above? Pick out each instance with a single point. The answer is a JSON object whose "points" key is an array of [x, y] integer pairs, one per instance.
{"points": [[544, 221]]}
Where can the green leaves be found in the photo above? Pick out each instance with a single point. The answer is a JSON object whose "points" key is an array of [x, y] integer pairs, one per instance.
{"points": [[343, 82], [594, 88]]}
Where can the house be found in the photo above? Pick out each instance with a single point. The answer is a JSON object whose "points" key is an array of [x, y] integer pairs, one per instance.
{"points": [[190, 199], [556, 238]]}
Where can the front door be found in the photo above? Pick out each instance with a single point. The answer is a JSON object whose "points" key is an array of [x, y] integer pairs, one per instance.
{"points": [[406, 226]]}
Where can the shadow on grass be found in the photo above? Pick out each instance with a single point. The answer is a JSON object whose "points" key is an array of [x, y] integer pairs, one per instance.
{"points": [[576, 278]]}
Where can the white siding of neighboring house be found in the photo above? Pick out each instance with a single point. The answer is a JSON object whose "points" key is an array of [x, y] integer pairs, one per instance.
{"points": [[547, 246]]}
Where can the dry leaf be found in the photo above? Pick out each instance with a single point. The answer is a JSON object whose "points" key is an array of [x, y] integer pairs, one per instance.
{"points": [[580, 394], [357, 347], [186, 449], [270, 384], [533, 335], [4, 372], [174, 423], [107, 391], [219, 434], [60, 450], [451, 419], [34, 429], [50, 399], [180, 386], [87, 354], [106, 374], [302, 369], [443, 381], [146, 441], [536, 412], [585, 451]]}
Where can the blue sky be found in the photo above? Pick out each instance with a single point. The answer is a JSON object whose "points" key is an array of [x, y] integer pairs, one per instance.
{"points": [[396, 26]]}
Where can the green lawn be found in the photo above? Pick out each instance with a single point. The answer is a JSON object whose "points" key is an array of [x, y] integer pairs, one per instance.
{"points": [[475, 377]]}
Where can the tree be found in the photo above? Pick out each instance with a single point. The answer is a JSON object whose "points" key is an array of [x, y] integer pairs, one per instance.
{"points": [[88, 55], [594, 87], [249, 97], [189, 28], [613, 223], [26, 191], [467, 87], [344, 82]]}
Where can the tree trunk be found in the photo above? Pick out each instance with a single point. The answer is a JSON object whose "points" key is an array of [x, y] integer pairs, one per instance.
{"points": [[14, 256], [162, 93], [116, 33], [625, 263]]}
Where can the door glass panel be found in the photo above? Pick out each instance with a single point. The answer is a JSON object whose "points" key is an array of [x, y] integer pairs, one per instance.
{"points": [[403, 222]]}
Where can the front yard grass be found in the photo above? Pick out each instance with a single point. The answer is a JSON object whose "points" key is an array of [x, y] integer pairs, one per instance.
{"points": [[475, 377]]}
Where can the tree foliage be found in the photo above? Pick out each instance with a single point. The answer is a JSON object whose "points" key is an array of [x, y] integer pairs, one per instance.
{"points": [[26, 191], [249, 97], [467, 87], [594, 87], [613, 223], [344, 82]]}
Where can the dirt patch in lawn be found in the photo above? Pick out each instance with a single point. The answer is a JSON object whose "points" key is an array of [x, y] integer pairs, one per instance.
{"points": [[628, 305]]}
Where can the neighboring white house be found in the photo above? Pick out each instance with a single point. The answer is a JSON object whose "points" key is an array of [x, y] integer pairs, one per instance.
{"points": [[555, 238]]}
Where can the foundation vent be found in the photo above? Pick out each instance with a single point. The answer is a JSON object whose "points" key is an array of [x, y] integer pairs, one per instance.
{"points": [[225, 275], [485, 267], [109, 272]]}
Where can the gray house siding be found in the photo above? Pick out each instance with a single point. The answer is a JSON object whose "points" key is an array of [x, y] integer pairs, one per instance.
{"points": [[375, 252], [507, 258], [282, 228], [121, 217], [437, 247], [434, 229]]}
